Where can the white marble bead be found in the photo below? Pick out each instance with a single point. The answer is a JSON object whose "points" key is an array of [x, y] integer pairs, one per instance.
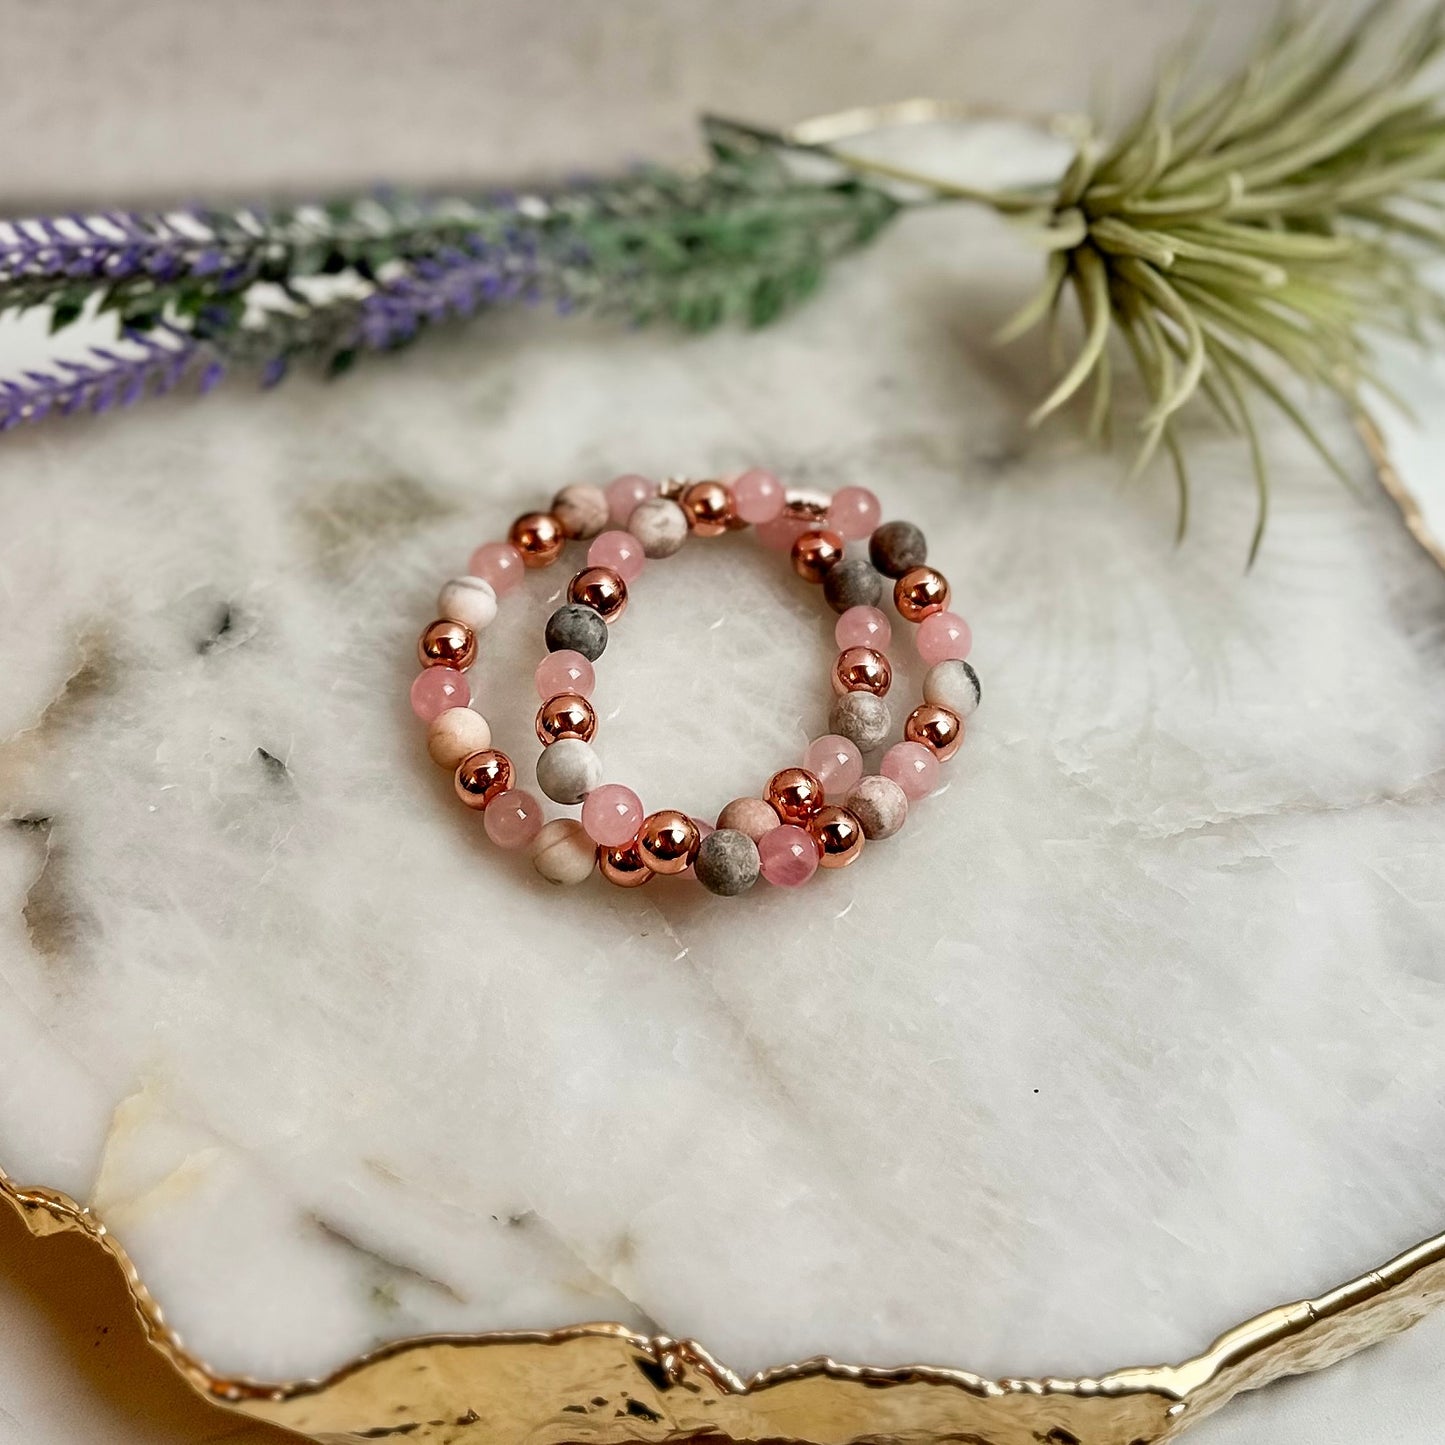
{"points": [[660, 525], [581, 509], [563, 853], [952, 684], [469, 600], [568, 770], [456, 734]]}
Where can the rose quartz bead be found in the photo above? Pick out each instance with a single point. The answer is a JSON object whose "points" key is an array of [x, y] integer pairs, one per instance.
{"points": [[780, 534], [835, 762], [623, 494], [758, 496], [855, 512], [500, 564], [912, 767], [612, 815], [863, 627], [436, 689], [564, 671], [513, 819], [620, 551], [942, 636], [789, 856]]}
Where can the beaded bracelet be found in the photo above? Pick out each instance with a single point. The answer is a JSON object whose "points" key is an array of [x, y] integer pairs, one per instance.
{"points": [[799, 824]]}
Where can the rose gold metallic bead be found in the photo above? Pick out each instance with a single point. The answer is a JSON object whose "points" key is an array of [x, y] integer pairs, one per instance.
{"points": [[668, 841], [939, 730], [920, 592], [539, 537], [815, 553], [624, 866], [483, 777], [568, 715], [796, 794], [709, 508], [862, 669], [601, 589], [753, 816], [447, 644], [838, 834]]}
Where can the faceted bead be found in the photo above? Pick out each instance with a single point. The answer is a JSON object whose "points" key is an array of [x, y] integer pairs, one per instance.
{"points": [[862, 718], [612, 815], [880, 805], [835, 762], [953, 684], [456, 734], [863, 627], [468, 600], [623, 494], [513, 820], [943, 636], [728, 863], [853, 582], [569, 770], [758, 496], [564, 671], [855, 513], [896, 546], [660, 525], [436, 689], [582, 509], [779, 534], [788, 856], [753, 816], [563, 853], [620, 551], [912, 767], [574, 628], [499, 564]]}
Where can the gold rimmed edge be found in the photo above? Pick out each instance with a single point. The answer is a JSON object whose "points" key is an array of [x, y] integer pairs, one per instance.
{"points": [[605, 1383]]}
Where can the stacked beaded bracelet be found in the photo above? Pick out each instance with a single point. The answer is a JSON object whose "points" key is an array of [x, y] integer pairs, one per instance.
{"points": [[816, 815]]}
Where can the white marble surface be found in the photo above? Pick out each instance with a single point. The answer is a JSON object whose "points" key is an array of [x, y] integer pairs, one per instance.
{"points": [[1133, 1032]]}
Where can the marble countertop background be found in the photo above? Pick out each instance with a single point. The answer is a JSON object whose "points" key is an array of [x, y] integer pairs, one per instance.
{"points": [[1135, 1034]]}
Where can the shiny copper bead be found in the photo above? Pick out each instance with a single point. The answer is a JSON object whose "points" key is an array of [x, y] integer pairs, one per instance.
{"points": [[539, 537], [920, 592], [816, 553], [795, 793], [601, 589], [668, 841], [447, 644], [568, 715], [939, 730], [862, 669], [838, 834], [483, 777], [709, 508], [624, 866]]}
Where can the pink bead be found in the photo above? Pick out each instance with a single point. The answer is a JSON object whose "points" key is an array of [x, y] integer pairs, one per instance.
{"points": [[500, 564], [863, 627], [780, 534], [835, 762], [789, 856], [758, 496], [513, 819], [436, 689], [855, 513], [620, 551], [912, 767], [623, 494], [611, 815], [564, 671], [943, 635]]}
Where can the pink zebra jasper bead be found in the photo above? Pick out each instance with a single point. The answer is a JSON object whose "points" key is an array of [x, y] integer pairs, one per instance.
{"points": [[436, 689], [623, 494], [620, 551], [789, 856], [863, 627], [912, 767], [942, 636], [758, 497], [855, 512], [513, 820], [612, 815], [564, 671], [835, 762], [499, 563]]}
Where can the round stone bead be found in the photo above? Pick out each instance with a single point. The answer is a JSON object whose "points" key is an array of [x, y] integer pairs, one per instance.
{"points": [[513, 820], [611, 814], [854, 582], [863, 627], [835, 762], [861, 717], [896, 546], [468, 600], [660, 525], [943, 636], [753, 816], [624, 494], [582, 510], [456, 734], [912, 767], [779, 534], [564, 671], [500, 565], [953, 684], [620, 551], [854, 512], [568, 770], [758, 497], [574, 628], [879, 804], [436, 689], [788, 856], [728, 862], [563, 853]]}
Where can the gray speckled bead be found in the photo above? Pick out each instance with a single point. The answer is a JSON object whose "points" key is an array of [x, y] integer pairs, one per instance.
{"points": [[952, 684], [660, 525], [727, 862], [897, 546], [577, 629], [861, 718], [568, 770], [854, 582], [880, 805]]}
